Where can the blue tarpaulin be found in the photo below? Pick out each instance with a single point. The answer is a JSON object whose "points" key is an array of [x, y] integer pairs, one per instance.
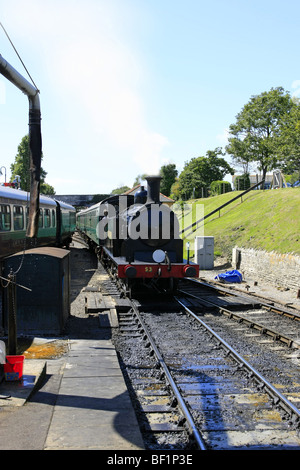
{"points": [[230, 276]]}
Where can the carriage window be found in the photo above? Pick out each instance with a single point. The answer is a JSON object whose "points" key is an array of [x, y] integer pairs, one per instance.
{"points": [[41, 218], [5, 220], [72, 218], [18, 218], [53, 218], [47, 221]]}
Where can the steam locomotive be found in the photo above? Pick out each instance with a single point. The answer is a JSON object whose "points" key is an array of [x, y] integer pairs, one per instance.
{"points": [[137, 239]]}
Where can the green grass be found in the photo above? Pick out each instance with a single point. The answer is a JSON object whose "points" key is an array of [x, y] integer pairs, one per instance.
{"points": [[265, 220]]}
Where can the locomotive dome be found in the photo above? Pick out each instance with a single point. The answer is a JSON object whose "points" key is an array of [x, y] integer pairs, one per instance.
{"points": [[140, 196]]}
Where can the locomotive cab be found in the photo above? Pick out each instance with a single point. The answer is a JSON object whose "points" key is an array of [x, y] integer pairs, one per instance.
{"points": [[151, 226]]}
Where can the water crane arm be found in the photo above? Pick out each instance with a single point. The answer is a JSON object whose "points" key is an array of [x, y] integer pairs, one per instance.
{"points": [[35, 141]]}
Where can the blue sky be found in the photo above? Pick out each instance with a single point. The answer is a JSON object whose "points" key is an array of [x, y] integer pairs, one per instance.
{"points": [[129, 85]]}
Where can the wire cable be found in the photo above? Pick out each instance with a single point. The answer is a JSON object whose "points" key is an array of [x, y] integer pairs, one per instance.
{"points": [[19, 56]]}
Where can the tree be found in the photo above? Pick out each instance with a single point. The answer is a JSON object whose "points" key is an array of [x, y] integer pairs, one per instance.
{"points": [[289, 141], [120, 190], [175, 190], [200, 172], [21, 167], [47, 189], [168, 174], [139, 179], [254, 135]]}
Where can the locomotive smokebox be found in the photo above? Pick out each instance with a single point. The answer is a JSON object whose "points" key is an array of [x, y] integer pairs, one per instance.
{"points": [[153, 189]]}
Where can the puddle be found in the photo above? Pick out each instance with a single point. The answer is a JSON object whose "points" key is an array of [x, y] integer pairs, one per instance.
{"points": [[41, 348], [48, 350]]}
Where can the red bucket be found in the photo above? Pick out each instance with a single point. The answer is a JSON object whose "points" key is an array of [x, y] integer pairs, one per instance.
{"points": [[13, 368]]}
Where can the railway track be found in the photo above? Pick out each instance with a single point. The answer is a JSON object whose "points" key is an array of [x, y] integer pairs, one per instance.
{"points": [[192, 388], [163, 417], [210, 370], [275, 321]]}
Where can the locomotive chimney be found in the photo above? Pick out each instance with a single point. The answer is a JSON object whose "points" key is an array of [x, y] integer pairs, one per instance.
{"points": [[153, 189]]}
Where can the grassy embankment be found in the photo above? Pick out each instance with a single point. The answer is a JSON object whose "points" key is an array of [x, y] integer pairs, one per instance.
{"points": [[265, 220]]}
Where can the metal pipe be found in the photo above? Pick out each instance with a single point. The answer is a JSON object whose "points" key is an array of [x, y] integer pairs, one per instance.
{"points": [[35, 140], [20, 82]]}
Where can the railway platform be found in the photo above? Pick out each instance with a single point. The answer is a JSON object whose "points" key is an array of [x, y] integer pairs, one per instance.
{"points": [[90, 408], [93, 408], [77, 399]]}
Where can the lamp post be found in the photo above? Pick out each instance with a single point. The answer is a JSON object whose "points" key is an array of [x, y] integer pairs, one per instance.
{"points": [[2, 173]]}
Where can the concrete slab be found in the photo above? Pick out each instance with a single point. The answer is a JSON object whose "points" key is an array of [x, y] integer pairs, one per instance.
{"points": [[93, 408], [18, 392]]}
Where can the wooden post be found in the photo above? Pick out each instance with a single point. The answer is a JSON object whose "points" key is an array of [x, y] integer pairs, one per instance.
{"points": [[12, 319]]}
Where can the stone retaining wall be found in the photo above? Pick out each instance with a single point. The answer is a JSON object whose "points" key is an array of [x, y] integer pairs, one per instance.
{"points": [[281, 270]]}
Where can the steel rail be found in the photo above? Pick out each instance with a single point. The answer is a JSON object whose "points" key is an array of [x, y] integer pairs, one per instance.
{"points": [[262, 300], [180, 401], [272, 391], [253, 324]]}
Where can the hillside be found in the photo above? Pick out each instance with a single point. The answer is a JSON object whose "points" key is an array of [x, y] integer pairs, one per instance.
{"points": [[265, 220]]}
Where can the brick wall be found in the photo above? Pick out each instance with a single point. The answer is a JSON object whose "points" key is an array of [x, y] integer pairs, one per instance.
{"points": [[281, 270]]}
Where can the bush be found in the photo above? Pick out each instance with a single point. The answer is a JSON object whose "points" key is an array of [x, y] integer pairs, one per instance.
{"points": [[220, 187], [242, 182]]}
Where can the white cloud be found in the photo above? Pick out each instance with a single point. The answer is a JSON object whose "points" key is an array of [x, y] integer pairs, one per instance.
{"points": [[83, 50], [223, 137], [296, 85]]}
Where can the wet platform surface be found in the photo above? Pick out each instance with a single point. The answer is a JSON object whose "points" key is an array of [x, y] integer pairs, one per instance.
{"points": [[91, 409]]}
